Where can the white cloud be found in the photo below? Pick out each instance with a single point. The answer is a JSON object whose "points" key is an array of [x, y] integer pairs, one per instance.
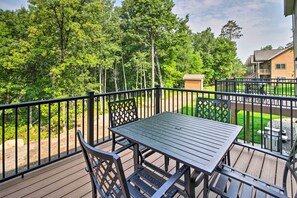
{"points": [[12, 4], [263, 22]]}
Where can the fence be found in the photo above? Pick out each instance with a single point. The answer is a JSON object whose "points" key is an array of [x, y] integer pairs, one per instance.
{"points": [[43, 132], [266, 86]]}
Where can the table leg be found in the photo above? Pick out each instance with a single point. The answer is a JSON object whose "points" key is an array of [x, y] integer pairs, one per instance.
{"points": [[205, 186], [189, 185], [136, 156]]}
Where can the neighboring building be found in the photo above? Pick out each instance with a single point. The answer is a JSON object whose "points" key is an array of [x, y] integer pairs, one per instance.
{"points": [[276, 63], [194, 81], [290, 8]]}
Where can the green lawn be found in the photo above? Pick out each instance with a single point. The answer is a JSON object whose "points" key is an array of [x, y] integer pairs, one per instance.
{"points": [[283, 90], [209, 88], [257, 124], [240, 121]]}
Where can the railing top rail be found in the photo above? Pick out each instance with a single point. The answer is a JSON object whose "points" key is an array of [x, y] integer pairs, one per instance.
{"points": [[39, 102], [257, 81], [235, 94], [124, 92]]}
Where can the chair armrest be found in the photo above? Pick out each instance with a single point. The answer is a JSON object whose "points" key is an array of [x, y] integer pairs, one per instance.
{"points": [[170, 182], [115, 152], [251, 181], [262, 151], [123, 148]]}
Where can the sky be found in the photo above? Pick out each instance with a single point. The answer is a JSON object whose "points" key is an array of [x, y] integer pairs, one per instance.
{"points": [[263, 22]]}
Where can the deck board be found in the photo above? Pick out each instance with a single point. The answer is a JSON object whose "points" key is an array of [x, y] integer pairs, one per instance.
{"points": [[67, 178]]}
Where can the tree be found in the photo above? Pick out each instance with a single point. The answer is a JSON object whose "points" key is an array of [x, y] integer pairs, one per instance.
{"points": [[224, 57], [231, 30], [150, 19], [267, 47]]}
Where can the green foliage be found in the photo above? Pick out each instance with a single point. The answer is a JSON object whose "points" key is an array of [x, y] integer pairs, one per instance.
{"points": [[231, 30], [267, 47], [61, 48], [218, 56]]}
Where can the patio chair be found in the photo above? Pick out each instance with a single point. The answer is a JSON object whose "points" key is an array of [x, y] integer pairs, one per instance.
{"points": [[122, 112], [213, 109], [108, 178], [229, 182]]}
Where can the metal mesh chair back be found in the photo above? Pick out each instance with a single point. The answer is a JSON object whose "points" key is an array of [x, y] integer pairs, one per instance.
{"points": [[213, 109], [105, 170], [122, 112]]}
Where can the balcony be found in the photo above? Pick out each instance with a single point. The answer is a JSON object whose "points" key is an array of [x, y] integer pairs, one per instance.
{"points": [[45, 160], [264, 71], [68, 178]]}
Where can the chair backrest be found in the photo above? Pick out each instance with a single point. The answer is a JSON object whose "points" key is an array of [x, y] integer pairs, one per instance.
{"points": [[105, 170], [213, 109], [291, 165], [122, 112]]}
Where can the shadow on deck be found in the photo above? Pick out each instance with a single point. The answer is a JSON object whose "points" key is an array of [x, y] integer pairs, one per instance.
{"points": [[68, 178]]}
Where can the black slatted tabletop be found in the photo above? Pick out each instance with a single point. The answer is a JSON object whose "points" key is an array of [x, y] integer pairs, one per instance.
{"points": [[199, 143]]}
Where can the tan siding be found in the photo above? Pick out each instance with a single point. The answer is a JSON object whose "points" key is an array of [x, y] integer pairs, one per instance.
{"points": [[285, 58], [193, 84]]}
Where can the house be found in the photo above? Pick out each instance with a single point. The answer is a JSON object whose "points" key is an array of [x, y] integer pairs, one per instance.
{"points": [[275, 63]]}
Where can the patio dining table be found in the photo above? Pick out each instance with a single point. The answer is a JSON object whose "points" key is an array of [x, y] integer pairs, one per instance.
{"points": [[198, 143]]}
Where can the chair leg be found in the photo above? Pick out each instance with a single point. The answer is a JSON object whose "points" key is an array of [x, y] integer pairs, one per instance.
{"points": [[113, 142], [228, 158], [177, 165], [166, 159]]}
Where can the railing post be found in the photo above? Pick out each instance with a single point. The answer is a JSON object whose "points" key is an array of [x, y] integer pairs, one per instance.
{"points": [[90, 133], [157, 101], [216, 85], [295, 87], [226, 85], [234, 85]]}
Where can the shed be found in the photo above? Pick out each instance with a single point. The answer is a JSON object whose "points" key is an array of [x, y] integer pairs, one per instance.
{"points": [[194, 81]]}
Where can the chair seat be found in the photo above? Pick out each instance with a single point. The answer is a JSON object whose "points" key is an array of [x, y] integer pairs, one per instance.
{"points": [[229, 182], [124, 142], [148, 182]]}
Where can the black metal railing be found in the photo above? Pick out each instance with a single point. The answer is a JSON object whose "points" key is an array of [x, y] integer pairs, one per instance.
{"points": [[35, 134], [268, 122], [265, 86]]}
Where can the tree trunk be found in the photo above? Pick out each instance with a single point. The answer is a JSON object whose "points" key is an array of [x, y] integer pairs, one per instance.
{"points": [[159, 70], [105, 80], [144, 79], [137, 72], [115, 76], [144, 82], [141, 79], [153, 61], [100, 79], [124, 73]]}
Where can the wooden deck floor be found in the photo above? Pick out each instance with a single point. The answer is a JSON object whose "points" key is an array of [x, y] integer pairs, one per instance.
{"points": [[68, 178]]}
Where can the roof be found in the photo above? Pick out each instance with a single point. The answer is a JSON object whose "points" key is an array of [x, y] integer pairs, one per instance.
{"points": [[264, 55], [250, 60], [193, 77], [288, 7]]}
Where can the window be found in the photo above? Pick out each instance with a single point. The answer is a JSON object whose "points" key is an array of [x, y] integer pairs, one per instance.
{"points": [[280, 66]]}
